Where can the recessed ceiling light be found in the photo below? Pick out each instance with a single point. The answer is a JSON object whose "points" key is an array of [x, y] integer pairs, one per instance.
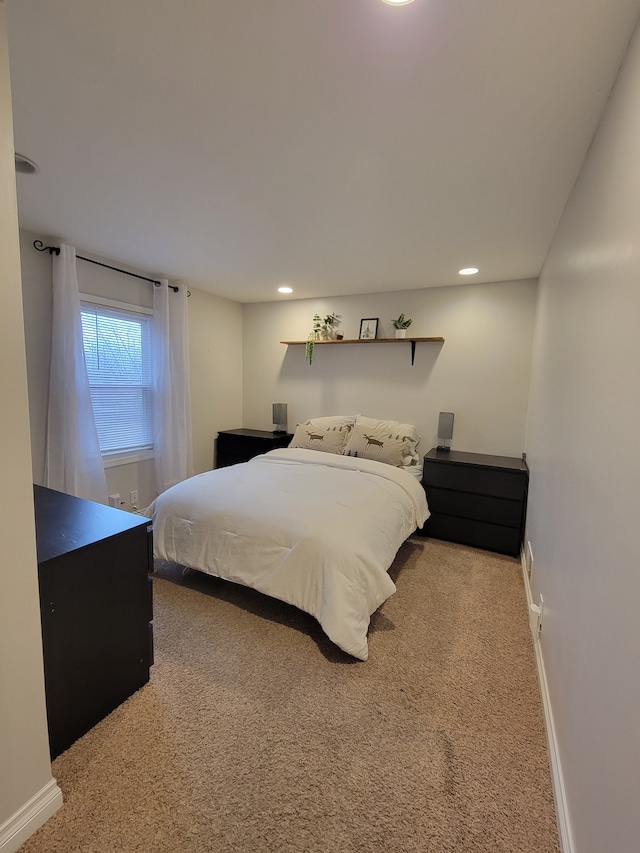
{"points": [[285, 289], [468, 271], [397, 2], [24, 165]]}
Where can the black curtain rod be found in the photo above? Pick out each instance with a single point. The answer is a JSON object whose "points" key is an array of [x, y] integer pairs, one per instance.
{"points": [[55, 250]]}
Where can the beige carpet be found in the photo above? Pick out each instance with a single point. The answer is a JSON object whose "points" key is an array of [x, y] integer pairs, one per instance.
{"points": [[257, 734]]}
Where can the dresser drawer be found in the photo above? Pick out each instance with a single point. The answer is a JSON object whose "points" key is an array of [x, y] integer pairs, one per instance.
{"points": [[224, 459], [475, 479], [476, 499], [466, 531], [479, 507], [240, 445]]}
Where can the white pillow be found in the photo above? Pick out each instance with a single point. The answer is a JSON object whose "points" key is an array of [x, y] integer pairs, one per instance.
{"points": [[392, 426], [331, 439], [332, 421], [414, 467], [387, 441]]}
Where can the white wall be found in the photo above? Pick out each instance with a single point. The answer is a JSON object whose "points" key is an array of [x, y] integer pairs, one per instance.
{"points": [[28, 794], [481, 372], [215, 330], [584, 503]]}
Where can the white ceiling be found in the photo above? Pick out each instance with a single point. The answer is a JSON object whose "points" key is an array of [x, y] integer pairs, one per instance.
{"points": [[339, 146]]}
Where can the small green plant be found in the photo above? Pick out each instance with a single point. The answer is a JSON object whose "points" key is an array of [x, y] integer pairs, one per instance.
{"points": [[320, 326], [402, 322], [309, 347], [329, 322]]}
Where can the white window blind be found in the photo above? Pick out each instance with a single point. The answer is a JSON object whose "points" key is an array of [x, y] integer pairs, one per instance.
{"points": [[118, 351]]}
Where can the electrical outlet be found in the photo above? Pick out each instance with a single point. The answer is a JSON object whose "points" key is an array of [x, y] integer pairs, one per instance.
{"points": [[133, 498], [529, 559], [114, 501]]}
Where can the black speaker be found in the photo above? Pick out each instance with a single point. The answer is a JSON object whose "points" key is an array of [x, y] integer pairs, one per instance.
{"points": [[445, 429], [279, 417]]}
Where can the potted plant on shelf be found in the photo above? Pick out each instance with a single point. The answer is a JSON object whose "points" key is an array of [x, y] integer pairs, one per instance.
{"points": [[327, 330], [322, 328], [401, 325]]}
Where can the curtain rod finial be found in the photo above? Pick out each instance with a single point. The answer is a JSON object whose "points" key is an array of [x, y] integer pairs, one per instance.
{"points": [[39, 245]]}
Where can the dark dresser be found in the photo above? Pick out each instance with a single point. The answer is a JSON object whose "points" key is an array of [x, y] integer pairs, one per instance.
{"points": [[96, 610], [476, 499], [240, 445]]}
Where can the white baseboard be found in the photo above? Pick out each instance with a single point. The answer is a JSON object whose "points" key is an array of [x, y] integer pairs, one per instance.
{"points": [[557, 780], [15, 831]]}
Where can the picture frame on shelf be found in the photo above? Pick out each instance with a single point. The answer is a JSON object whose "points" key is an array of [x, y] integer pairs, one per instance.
{"points": [[368, 329]]}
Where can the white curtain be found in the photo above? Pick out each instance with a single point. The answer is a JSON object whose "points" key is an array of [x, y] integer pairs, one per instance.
{"points": [[172, 416], [73, 463]]}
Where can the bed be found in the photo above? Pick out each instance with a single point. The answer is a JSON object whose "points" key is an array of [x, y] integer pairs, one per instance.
{"points": [[316, 529]]}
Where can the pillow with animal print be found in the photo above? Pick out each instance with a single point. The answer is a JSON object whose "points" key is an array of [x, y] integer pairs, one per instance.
{"points": [[331, 439], [341, 421], [376, 440], [408, 430]]}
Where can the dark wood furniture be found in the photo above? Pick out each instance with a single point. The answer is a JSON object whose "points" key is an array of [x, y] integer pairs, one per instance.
{"points": [[476, 499], [96, 610], [240, 445]]}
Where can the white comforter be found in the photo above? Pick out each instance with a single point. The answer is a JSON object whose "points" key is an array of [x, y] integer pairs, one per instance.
{"points": [[313, 529]]}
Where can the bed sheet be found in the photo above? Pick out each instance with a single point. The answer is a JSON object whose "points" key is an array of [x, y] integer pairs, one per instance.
{"points": [[314, 529]]}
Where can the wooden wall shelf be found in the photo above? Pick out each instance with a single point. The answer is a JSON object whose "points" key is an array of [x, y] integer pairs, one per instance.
{"points": [[412, 341]]}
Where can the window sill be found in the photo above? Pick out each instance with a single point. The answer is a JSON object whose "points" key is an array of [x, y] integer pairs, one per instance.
{"points": [[113, 460]]}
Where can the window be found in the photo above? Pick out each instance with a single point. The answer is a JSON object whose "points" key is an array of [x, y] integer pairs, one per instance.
{"points": [[118, 351]]}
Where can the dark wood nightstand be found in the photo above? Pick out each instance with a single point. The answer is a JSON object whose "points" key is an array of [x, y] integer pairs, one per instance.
{"points": [[240, 445], [476, 499]]}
